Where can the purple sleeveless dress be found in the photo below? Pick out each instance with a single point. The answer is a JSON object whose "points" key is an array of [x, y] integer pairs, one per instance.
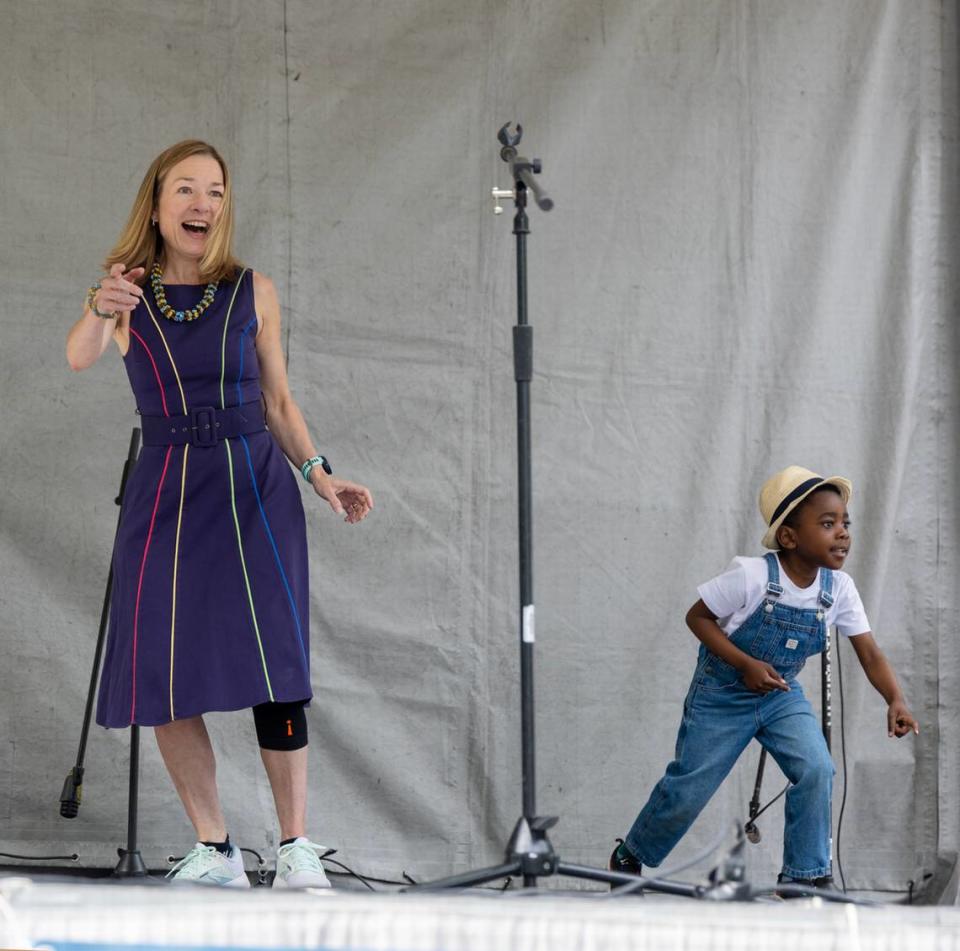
{"points": [[210, 598]]}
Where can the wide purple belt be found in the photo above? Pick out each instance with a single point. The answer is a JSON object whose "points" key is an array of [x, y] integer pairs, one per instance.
{"points": [[203, 426]]}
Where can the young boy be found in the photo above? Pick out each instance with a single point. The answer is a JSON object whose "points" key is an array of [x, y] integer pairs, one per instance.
{"points": [[758, 622]]}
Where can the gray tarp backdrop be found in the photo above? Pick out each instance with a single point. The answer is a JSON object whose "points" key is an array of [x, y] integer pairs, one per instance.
{"points": [[750, 264]]}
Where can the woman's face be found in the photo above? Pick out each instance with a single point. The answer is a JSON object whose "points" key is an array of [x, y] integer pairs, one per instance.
{"points": [[191, 197]]}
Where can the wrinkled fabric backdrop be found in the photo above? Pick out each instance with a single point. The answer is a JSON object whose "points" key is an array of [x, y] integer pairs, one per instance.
{"points": [[750, 264]]}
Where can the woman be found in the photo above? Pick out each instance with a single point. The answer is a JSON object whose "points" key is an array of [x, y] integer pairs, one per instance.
{"points": [[210, 597]]}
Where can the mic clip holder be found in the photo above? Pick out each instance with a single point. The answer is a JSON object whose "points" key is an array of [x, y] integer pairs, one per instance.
{"points": [[522, 170]]}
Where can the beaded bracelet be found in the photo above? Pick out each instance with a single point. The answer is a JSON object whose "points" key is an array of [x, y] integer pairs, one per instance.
{"points": [[315, 461], [91, 294]]}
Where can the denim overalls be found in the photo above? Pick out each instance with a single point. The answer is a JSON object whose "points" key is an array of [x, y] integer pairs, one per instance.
{"points": [[721, 716]]}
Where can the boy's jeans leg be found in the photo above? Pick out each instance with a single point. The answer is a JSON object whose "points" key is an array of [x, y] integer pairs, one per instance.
{"points": [[717, 724], [793, 737]]}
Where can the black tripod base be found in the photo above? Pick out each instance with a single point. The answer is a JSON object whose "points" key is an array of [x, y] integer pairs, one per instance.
{"points": [[530, 854], [621, 878], [478, 876], [130, 865]]}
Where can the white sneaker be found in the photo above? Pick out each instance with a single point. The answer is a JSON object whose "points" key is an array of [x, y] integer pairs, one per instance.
{"points": [[204, 865], [298, 865]]}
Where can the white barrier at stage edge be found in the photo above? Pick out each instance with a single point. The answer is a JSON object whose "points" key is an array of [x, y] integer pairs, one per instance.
{"points": [[81, 917]]}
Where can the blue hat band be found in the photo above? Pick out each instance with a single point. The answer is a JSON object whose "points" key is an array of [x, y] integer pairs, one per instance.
{"points": [[800, 490]]}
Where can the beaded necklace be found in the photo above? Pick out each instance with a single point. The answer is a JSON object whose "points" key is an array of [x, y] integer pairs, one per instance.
{"points": [[156, 282]]}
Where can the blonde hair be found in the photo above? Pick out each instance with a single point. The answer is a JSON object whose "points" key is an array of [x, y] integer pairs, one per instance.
{"points": [[140, 243]]}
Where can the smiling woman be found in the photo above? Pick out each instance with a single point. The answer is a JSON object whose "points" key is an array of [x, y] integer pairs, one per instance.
{"points": [[189, 183], [194, 218], [209, 609]]}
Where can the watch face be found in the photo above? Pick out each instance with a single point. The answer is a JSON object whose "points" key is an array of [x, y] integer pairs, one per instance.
{"points": [[326, 466]]}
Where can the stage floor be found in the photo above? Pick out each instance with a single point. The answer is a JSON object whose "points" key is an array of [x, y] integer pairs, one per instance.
{"points": [[82, 916]]}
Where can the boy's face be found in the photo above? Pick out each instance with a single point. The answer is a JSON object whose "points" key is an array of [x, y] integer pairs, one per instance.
{"points": [[821, 530]]}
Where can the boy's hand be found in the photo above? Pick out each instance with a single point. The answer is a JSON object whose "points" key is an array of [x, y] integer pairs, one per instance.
{"points": [[900, 720], [761, 677]]}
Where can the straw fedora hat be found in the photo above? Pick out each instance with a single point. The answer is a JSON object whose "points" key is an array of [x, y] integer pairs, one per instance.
{"points": [[783, 492]]}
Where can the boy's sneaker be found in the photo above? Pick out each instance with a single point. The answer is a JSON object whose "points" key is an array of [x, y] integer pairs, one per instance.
{"points": [[824, 882], [298, 865], [204, 865], [621, 860]]}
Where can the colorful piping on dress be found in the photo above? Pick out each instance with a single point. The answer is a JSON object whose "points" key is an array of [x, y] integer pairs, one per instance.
{"points": [[166, 347], [256, 491], [243, 334], [183, 483], [143, 565], [243, 565], [176, 559], [223, 344], [156, 372], [233, 496], [276, 552]]}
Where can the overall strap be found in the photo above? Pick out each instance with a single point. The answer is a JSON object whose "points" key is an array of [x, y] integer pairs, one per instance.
{"points": [[826, 588], [774, 588]]}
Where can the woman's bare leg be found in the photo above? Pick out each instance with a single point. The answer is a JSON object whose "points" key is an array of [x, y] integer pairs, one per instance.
{"points": [[287, 772], [188, 756]]}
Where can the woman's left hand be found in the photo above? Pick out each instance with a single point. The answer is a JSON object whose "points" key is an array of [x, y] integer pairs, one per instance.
{"points": [[349, 499]]}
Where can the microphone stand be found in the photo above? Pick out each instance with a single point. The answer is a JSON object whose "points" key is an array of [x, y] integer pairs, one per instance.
{"points": [[750, 829], [529, 852], [131, 864]]}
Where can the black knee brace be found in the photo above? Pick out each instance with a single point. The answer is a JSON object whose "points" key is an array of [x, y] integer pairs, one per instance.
{"points": [[281, 726]]}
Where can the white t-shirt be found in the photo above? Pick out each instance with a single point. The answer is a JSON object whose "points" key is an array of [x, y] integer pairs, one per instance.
{"points": [[735, 595]]}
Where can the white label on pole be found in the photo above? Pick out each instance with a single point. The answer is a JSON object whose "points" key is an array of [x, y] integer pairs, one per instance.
{"points": [[526, 632]]}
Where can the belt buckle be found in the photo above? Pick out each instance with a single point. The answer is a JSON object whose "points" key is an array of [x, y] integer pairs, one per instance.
{"points": [[203, 426]]}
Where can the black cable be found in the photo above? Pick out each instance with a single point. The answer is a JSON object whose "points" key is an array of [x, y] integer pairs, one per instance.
{"points": [[407, 879], [41, 858], [289, 314], [887, 891], [760, 812], [638, 885], [262, 869], [350, 872], [908, 893], [843, 759], [793, 890], [261, 865]]}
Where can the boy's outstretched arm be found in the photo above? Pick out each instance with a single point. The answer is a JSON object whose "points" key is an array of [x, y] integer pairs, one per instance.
{"points": [[756, 674], [900, 720]]}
